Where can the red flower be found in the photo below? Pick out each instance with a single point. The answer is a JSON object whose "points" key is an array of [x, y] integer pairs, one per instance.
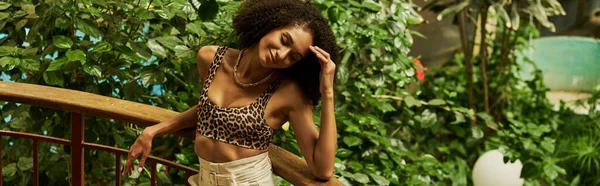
{"points": [[420, 74]]}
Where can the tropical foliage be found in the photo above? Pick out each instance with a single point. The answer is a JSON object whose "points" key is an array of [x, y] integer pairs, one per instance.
{"points": [[144, 51]]}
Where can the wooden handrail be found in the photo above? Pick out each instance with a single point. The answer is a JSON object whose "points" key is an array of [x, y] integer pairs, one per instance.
{"points": [[285, 164]]}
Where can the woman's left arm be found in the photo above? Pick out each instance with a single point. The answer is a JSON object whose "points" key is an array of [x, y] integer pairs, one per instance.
{"points": [[318, 148]]}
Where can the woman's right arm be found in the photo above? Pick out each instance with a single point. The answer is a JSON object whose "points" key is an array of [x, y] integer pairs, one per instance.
{"points": [[183, 120], [143, 144], [188, 118]]}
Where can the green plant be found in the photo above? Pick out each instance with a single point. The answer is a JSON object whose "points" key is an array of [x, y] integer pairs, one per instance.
{"points": [[487, 105], [142, 51], [578, 146]]}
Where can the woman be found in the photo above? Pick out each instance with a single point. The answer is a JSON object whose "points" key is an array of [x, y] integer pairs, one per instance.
{"points": [[286, 65]]}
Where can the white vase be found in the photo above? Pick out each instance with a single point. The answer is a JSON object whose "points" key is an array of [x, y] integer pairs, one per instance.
{"points": [[490, 170]]}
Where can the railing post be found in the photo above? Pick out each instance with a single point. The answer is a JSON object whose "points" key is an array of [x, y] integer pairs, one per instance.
{"points": [[118, 169], [1, 161], [36, 178], [153, 174], [77, 157], [187, 176]]}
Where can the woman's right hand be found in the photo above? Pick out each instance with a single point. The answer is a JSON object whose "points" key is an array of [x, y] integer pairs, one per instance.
{"points": [[140, 148]]}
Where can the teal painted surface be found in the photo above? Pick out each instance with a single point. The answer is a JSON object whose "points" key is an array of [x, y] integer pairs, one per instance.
{"points": [[568, 63]]}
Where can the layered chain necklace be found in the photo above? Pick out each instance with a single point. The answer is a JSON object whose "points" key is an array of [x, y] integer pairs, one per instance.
{"points": [[247, 84]]}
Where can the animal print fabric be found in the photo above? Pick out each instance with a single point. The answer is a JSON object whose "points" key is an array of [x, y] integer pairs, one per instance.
{"points": [[242, 126]]}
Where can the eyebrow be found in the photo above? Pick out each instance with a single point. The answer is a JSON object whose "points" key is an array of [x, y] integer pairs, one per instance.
{"points": [[289, 36]]}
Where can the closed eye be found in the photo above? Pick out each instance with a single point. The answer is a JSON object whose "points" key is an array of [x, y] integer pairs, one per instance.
{"points": [[286, 40], [283, 40]]}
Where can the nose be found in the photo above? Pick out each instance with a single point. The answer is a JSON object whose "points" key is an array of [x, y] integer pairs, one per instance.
{"points": [[283, 53]]}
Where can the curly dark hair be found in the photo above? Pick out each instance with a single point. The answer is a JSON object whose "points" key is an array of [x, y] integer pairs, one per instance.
{"points": [[256, 18]]}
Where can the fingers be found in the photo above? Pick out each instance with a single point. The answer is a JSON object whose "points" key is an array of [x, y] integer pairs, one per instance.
{"points": [[127, 169], [142, 162], [322, 55], [128, 163], [323, 52]]}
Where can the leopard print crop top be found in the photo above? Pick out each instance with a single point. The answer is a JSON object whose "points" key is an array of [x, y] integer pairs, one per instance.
{"points": [[241, 126]]}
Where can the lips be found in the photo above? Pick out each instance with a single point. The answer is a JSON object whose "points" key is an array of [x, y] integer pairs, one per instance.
{"points": [[271, 57]]}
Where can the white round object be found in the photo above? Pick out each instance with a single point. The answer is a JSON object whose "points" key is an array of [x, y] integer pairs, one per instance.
{"points": [[490, 170]]}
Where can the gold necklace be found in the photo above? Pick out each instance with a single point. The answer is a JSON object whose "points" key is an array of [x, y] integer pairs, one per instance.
{"points": [[237, 63]]}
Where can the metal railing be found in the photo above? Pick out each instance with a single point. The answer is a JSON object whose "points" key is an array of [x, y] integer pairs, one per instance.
{"points": [[78, 145], [285, 164]]}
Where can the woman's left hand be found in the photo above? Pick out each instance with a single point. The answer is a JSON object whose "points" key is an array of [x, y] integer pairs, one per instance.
{"points": [[327, 71]]}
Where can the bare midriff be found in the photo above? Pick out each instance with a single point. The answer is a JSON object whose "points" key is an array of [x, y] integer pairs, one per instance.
{"points": [[219, 152]]}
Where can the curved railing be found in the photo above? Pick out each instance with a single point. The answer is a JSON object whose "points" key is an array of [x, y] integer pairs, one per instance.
{"points": [[285, 164]]}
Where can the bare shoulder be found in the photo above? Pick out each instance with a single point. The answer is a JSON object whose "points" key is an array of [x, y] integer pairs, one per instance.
{"points": [[205, 58]]}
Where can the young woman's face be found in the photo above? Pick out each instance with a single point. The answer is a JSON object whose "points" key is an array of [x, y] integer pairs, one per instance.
{"points": [[281, 48]]}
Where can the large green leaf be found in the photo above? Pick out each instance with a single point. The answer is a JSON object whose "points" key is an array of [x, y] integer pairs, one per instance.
{"points": [[62, 23], [30, 65], [118, 139], [93, 70], [182, 159], [429, 119], [21, 24], [551, 172], [4, 15], [25, 163], [575, 181], [488, 120], [165, 14], [352, 141], [184, 52], [143, 14], [356, 165], [89, 28], [548, 144], [360, 177], [29, 9], [19, 123], [2, 24], [76, 55], [54, 78], [355, 3], [170, 41], [4, 61], [102, 47], [8, 51], [9, 170], [476, 132], [195, 28], [371, 5], [142, 50], [57, 64], [210, 26], [164, 178], [4, 5], [436, 102], [411, 101], [62, 41], [342, 152], [150, 77], [156, 49], [29, 52], [460, 118], [380, 180]]}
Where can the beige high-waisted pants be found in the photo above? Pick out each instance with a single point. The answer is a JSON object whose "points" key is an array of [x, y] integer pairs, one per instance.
{"points": [[252, 171]]}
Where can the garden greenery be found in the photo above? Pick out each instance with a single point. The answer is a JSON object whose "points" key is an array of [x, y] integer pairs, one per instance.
{"points": [[144, 51]]}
